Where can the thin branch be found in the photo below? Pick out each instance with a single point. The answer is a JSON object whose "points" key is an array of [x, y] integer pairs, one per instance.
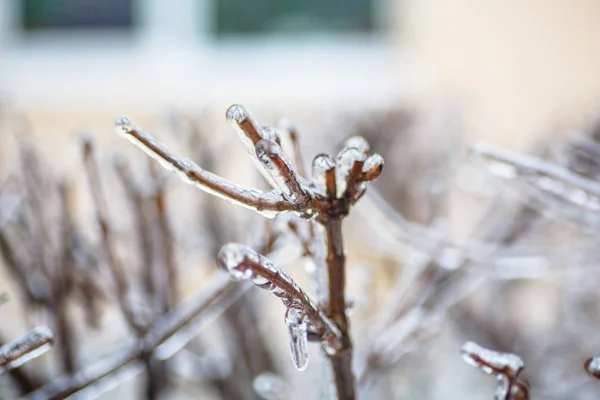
{"points": [[35, 343], [115, 267], [268, 203], [243, 263], [166, 337]]}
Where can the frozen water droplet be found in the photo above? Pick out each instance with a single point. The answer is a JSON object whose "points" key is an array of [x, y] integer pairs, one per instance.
{"points": [[297, 330], [373, 167], [236, 114], [234, 258], [274, 160], [271, 386], [359, 143], [124, 125]]}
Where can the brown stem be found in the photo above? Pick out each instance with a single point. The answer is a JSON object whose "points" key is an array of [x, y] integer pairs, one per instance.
{"points": [[341, 360]]}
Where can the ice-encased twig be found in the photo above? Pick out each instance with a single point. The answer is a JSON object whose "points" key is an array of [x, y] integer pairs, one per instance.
{"points": [[167, 336], [543, 175], [505, 366], [243, 263], [35, 343], [268, 203], [275, 162]]}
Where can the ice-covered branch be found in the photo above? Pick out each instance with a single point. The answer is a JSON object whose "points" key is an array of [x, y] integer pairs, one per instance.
{"points": [[269, 203], [505, 366], [35, 343], [243, 263]]}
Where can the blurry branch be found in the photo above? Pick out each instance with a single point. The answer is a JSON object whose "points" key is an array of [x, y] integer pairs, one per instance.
{"points": [[167, 336], [336, 185], [505, 366], [117, 272], [35, 343], [544, 176]]}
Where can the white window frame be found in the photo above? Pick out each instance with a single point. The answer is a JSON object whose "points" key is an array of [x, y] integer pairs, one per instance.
{"points": [[173, 47]]}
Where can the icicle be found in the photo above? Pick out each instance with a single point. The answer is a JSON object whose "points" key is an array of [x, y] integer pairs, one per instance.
{"points": [[271, 386], [274, 160], [359, 143], [373, 167], [345, 161], [32, 345], [296, 323]]}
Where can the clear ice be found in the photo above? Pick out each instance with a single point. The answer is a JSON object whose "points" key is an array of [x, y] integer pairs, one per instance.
{"points": [[297, 331]]}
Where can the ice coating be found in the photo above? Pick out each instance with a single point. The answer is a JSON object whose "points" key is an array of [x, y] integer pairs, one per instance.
{"points": [[234, 258], [372, 167], [35, 343], [359, 143], [270, 386], [271, 134], [345, 161], [320, 165], [297, 331], [492, 362], [274, 160], [236, 114], [268, 203], [245, 125], [244, 263]]}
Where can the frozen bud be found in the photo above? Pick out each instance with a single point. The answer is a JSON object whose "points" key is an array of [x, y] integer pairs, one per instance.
{"points": [[345, 161], [236, 114], [373, 167], [492, 362], [359, 143], [592, 367], [323, 172], [297, 330], [234, 258]]}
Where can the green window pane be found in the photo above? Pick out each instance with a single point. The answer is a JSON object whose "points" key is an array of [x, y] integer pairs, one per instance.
{"points": [[67, 14], [235, 17]]}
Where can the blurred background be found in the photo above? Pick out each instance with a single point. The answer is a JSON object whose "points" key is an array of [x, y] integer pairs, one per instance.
{"points": [[421, 80]]}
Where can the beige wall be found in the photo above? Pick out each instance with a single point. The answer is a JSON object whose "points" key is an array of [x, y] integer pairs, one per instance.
{"points": [[517, 67]]}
